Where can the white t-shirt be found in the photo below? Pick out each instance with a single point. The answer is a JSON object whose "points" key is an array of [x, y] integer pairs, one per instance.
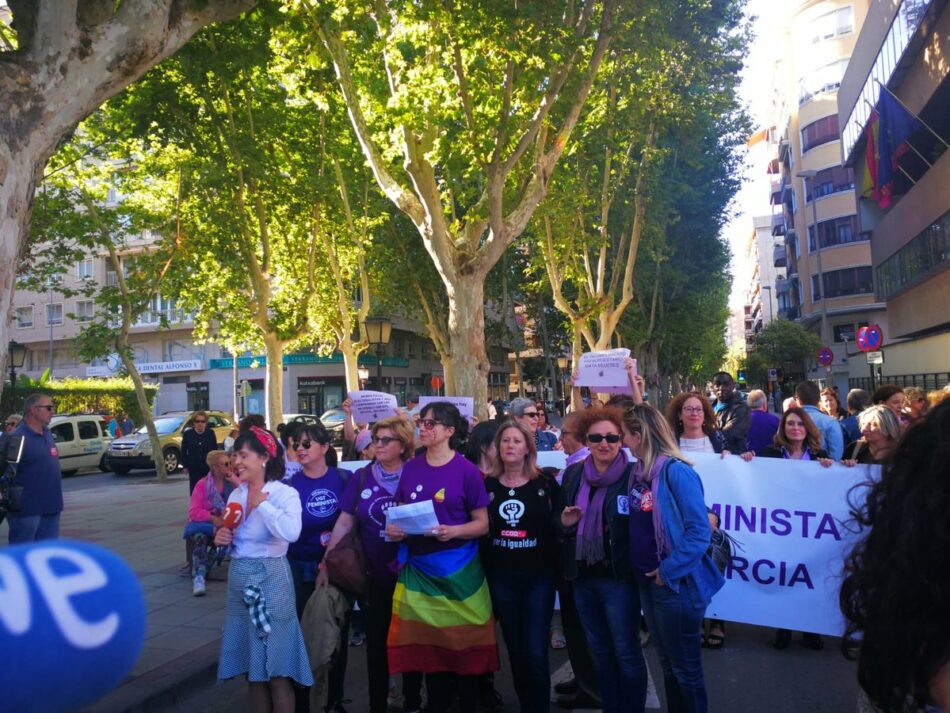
{"points": [[271, 526], [696, 445]]}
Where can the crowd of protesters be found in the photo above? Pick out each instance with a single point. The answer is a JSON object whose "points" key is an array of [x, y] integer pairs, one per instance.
{"points": [[622, 534]]}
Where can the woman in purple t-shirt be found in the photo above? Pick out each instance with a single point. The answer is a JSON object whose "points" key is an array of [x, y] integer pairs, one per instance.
{"points": [[369, 493], [442, 621]]}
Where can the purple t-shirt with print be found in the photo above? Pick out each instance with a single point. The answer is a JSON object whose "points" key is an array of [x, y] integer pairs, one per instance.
{"points": [[320, 498], [455, 489], [368, 502]]}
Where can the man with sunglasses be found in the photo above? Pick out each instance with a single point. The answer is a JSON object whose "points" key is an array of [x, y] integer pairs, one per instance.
{"points": [[525, 412], [196, 443], [38, 473]]}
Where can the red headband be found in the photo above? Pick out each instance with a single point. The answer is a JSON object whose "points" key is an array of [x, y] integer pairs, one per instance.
{"points": [[266, 439]]}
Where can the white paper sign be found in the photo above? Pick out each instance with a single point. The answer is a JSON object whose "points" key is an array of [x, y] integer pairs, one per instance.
{"points": [[415, 518], [465, 404], [372, 406], [604, 371]]}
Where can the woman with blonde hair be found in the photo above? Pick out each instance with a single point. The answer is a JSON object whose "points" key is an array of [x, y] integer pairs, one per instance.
{"points": [[669, 536], [520, 557], [880, 432], [205, 512]]}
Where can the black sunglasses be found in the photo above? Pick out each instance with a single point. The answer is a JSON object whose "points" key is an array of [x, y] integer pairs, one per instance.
{"points": [[305, 444], [200, 420], [384, 440], [598, 437]]}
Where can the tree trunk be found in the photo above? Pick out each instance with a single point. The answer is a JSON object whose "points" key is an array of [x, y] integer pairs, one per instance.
{"points": [[467, 340], [274, 383], [142, 400], [350, 364], [448, 371]]}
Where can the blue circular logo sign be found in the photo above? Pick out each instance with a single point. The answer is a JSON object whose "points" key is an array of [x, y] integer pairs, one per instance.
{"points": [[322, 503], [825, 356]]}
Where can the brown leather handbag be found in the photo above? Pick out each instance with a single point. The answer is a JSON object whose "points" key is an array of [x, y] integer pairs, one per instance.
{"points": [[346, 563]]}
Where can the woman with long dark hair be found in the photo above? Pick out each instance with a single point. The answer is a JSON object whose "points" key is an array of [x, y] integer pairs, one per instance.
{"points": [[895, 592], [442, 621], [269, 650], [669, 537]]}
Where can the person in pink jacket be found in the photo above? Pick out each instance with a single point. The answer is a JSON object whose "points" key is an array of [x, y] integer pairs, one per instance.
{"points": [[208, 501]]}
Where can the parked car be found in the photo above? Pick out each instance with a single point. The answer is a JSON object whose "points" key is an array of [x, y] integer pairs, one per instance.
{"points": [[307, 418], [134, 452], [81, 440], [332, 419]]}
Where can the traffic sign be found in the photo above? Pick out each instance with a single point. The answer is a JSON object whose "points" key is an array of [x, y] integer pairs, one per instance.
{"points": [[875, 357], [773, 374], [870, 338], [825, 356]]}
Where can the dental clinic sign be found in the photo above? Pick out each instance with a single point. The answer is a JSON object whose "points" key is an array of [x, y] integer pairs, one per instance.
{"points": [[114, 364]]}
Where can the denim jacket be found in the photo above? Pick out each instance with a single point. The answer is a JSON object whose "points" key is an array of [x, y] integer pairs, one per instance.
{"points": [[686, 523], [617, 524]]}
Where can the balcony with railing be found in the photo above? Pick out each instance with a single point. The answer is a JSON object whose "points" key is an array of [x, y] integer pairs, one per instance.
{"points": [[778, 224], [779, 255]]}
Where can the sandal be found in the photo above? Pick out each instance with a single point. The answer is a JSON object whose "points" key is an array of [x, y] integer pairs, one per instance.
{"points": [[557, 639], [715, 639]]}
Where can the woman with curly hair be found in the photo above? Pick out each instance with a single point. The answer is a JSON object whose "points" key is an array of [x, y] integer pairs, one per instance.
{"points": [[894, 594], [691, 417], [880, 432]]}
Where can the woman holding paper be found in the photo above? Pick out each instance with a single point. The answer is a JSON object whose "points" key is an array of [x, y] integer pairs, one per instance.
{"points": [[262, 638], [442, 621], [368, 494], [520, 557], [669, 536], [595, 558]]}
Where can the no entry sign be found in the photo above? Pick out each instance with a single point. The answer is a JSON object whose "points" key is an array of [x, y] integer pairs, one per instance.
{"points": [[870, 338]]}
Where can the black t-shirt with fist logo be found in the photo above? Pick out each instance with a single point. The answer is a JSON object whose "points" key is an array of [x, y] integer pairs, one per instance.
{"points": [[521, 533]]}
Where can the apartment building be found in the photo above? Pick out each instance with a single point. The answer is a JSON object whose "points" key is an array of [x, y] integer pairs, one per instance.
{"points": [[904, 50], [762, 305], [193, 375], [829, 286]]}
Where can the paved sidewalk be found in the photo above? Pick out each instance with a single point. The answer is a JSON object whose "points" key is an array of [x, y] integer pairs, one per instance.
{"points": [[143, 523]]}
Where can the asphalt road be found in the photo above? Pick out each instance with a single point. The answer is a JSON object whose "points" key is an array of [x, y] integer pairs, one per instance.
{"points": [[86, 479]]}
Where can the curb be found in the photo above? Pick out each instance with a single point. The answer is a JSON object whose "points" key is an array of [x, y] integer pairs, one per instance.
{"points": [[166, 686]]}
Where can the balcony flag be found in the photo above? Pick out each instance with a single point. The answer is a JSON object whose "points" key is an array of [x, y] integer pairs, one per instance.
{"points": [[887, 132]]}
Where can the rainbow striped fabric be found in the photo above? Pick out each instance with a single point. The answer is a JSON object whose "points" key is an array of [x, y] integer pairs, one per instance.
{"points": [[442, 615]]}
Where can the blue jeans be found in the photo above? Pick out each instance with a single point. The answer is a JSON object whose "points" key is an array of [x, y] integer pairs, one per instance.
{"points": [[675, 623], [523, 602], [30, 528], [610, 613]]}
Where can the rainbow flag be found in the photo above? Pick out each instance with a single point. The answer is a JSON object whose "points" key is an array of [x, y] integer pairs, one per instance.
{"points": [[442, 615]]}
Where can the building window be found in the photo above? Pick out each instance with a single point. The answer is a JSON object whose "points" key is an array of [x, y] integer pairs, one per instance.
{"points": [[820, 132], [844, 332], [411, 348], [830, 180], [174, 350], [843, 283], [826, 78], [54, 314], [837, 231], [84, 310], [84, 269], [24, 317], [926, 252], [832, 24]]}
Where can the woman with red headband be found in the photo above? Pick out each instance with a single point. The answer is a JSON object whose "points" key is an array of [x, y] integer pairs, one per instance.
{"points": [[262, 638]]}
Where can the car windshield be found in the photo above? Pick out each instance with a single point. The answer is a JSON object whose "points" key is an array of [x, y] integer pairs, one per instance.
{"points": [[164, 426], [333, 416]]}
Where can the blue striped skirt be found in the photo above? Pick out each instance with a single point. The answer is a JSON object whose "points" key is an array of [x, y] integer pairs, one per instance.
{"points": [[282, 652]]}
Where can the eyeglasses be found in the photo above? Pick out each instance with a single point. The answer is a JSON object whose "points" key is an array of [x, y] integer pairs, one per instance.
{"points": [[384, 440], [201, 420], [692, 409], [598, 437], [10, 423], [48, 407], [530, 414], [429, 423], [305, 444]]}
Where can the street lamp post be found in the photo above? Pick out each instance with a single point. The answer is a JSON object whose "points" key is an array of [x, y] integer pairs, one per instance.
{"points": [[16, 353], [562, 362], [377, 331], [769, 288], [809, 176]]}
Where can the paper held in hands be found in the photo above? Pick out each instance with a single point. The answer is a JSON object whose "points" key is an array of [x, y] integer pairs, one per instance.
{"points": [[465, 404], [414, 518], [372, 406], [605, 372]]}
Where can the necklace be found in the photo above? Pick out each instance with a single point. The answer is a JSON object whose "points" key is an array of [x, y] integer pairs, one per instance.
{"points": [[511, 486]]}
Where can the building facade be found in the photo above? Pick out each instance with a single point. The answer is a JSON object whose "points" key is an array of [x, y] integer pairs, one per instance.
{"points": [[829, 286], [904, 50], [762, 304], [192, 375]]}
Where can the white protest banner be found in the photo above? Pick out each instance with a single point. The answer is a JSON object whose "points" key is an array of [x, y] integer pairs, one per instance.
{"points": [[792, 520], [604, 372], [371, 406], [465, 404]]}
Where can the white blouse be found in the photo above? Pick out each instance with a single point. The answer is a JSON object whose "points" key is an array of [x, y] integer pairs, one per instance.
{"points": [[696, 445], [271, 526]]}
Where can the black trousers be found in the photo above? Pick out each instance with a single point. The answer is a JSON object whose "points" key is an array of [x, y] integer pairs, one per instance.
{"points": [[377, 607], [442, 688], [578, 651]]}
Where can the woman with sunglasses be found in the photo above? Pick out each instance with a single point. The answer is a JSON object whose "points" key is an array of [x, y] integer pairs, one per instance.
{"points": [[442, 621], [320, 485], [271, 654], [669, 536], [596, 559], [369, 493]]}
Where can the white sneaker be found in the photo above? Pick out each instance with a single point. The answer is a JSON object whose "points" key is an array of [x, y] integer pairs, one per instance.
{"points": [[198, 588]]}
